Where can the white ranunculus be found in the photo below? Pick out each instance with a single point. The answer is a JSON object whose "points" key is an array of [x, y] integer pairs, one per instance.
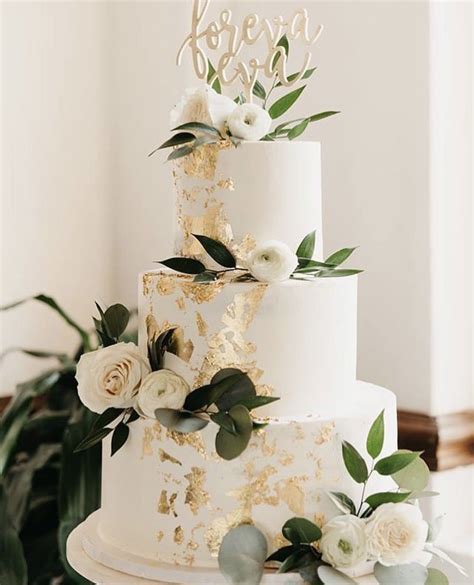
{"points": [[396, 534], [202, 104], [344, 543], [272, 262], [161, 389], [110, 376], [249, 122]]}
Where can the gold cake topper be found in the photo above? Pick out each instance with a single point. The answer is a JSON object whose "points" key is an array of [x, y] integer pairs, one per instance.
{"points": [[228, 68]]}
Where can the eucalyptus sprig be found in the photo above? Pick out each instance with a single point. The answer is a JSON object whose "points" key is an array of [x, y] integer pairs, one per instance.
{"points": [[226, 401]]}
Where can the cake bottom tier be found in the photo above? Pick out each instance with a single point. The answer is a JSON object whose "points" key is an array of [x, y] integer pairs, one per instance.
{"points": [[168, 497]]}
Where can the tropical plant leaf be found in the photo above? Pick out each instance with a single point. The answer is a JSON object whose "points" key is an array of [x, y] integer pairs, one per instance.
{"points": [[376, 500], [340, 256], [211, 72], [301, 531], [354, 463], [119, 438], [184, 265], [177, 420], [412, 573], [217, 251], [13, 569], [228, 445], [282, 105], [375, 438], [200, 127], [242, 555], [395, 462]]}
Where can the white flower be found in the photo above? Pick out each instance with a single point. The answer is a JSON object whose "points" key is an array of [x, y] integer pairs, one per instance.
{"points": [[162, 389], [396, 534], [272, 262], [344, 543], [202, 104], [249, 122], [110, 376]]}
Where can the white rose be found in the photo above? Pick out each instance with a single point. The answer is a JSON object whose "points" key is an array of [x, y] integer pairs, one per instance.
{"points": [[249, 122], [202, 104], [110, 376], [272, 262], [344, 543], [162, 389], [396, 534]]}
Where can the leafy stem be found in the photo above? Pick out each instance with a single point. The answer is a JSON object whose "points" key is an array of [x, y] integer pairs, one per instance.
{"points": [[362, 499]]}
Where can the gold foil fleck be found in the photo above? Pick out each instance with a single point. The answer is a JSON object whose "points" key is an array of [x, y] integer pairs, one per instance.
{"points": [[325, 433], [291, 492], [221, 526], [180, 303], [227, 184], [319, 520], [164, 456], [201, 163], [193, 440], [160, 535], [256, 490], [166, 506], [202, 292], [298, 430], [212, 222], [166, 284], [146, 281], [178, 535], [147, 448], [318, 473], [285, 458], [279, 541], [196, 495], [201, 325], [242, 250], [180, 347], [264, 389]]}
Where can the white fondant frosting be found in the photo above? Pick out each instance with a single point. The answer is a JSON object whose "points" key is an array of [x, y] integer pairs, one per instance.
{"points": [[297, 339], [257, 191], [169, 497]]}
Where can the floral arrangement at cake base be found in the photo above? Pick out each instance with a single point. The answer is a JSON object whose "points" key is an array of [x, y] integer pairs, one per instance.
{"points": [[384, 532]]}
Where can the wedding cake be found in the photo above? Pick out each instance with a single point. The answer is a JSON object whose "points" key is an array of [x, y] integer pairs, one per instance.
{"points": [[236, 437]]}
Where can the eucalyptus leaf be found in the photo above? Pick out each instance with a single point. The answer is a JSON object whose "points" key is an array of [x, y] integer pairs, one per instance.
{"points": [[211, 76], [298, 129], [307, 74], [119, 438], [282, 105], [343, 502], [305, 250], [299, 559], [234, 390], [230, 446], [180, 152], [340, 256], [282, 553], [436, 577], [177, 420], [225, 421], [395, 462], [414, 477], [184, 265], [301, 531], [422, 495], [258, 401], [331, 576], [412, 573], [354, 463], [375, 438], [242, 555], [376, 500], [217, 251], [200, 127], [117, 317]]}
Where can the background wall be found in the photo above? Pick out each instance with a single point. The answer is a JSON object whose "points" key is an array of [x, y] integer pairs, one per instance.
{"points": [[87, 88]]}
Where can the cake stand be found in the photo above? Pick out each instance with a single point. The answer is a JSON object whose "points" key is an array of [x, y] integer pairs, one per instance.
{"points": [[105, 564]]}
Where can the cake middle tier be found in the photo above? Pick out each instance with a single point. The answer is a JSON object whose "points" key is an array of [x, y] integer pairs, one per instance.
{"points": [[297, 340]]}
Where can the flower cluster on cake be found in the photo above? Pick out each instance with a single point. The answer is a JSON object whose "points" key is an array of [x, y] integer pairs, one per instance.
{"points": [[250, 330]]}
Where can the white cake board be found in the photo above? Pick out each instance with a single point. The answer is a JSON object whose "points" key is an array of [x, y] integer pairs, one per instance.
{"points": [[105, 564]]}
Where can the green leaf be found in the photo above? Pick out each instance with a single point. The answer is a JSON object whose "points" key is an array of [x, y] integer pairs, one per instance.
{"points": [[414, 477], [376, 500], [283, 104], [206, 276], [242, 555], [258, 401], [176, 140], [301, 531], [307, 265], [185, 265], [301, 558], [331, 576], [298, 129], [180, 152], [307, 74], [283, 42], [177, 420], [63, 358], [13, 569], [231, 381], [282, 554], [434, 528], [225, 421], [50, 302], [343, 502], [230, 446], [395, 462], [200, 127], [217, 251], [412, 573], [338, 273], [92, 439], [305, 250], [436, 577], [354, 463], [424, 494], [322, 115], [259, 91], [117, 317], [375, 438], [107, 417], [234, 390], [216, 84], [119, 437], [340, 256]]}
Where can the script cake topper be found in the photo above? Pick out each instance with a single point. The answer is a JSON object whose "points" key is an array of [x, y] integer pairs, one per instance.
{"points": [[228, 68]]}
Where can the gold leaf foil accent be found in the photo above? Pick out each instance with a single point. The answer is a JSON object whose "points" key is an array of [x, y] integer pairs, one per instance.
{"points": [[180, 304], [164, 456], [178, 535], [160, 535], [196, 495], [291, 492], [286, 458], [180, 347], [201, 163], [147, 448], [279, 541], [221, 526], [212, 222], [202, 292], [166, 506], [241, 251], [325, 433], [226, 184], [201, 325], [166, 284], [146, 282], [320, 520], [193, 440], [264, 389]]}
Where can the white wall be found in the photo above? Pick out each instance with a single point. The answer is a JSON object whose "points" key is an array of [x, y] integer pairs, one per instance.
{"points": [[382, 63]]}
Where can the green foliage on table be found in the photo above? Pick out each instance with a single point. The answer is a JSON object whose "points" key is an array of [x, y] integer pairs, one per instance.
{"points": [[45, 488]]}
